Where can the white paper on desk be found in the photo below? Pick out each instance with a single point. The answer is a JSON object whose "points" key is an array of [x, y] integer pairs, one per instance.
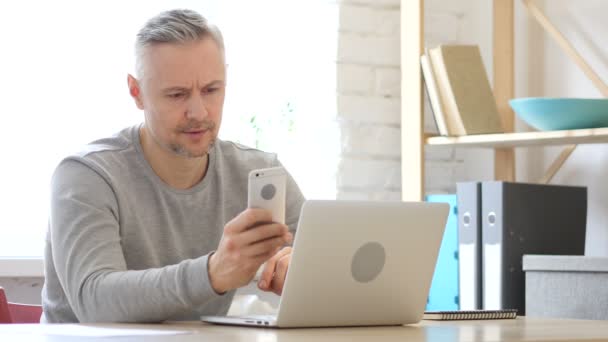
{"points": [[83, 330]]}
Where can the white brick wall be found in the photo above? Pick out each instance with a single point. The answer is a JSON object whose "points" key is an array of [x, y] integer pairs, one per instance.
{"points": [[368, 97], [366, 20], [368, 109], [355, 79], [371, 174], [368, 50], [371, 140], [388, 82]]}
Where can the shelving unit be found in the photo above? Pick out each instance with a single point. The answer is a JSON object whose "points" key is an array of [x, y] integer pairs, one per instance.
{"points": [[524, 139], [413, 138]]}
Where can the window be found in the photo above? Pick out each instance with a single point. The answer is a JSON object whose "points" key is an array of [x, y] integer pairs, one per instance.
{"points": [[63, 84]]}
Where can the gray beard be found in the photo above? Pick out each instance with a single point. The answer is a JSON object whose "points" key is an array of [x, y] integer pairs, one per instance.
{"points": [[181, 151]]}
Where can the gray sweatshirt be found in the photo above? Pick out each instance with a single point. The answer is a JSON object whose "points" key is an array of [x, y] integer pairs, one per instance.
{"points": [[123, 246]]}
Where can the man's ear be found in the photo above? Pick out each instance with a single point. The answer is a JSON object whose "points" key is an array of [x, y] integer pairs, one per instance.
{"points": [[135, 91]]}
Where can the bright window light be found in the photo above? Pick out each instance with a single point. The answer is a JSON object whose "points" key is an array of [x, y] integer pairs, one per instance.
{"points": [[64, 67]]}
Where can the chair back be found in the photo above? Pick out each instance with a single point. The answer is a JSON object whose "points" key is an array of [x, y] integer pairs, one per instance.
{"points": [[18, 313]]}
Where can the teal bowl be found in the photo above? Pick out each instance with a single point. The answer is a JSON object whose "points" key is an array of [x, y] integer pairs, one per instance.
{"points": [[551, 114]]}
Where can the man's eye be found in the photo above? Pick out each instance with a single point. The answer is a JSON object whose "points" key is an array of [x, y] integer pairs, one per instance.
{"points": [[212, 90], [176, 95]]}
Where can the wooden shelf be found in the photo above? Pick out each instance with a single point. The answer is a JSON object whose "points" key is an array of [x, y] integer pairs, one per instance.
{"points": [[508, 140], [413, 139]]}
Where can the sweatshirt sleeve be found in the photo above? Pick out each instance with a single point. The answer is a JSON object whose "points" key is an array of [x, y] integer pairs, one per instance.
{"points": [[90, 264]]}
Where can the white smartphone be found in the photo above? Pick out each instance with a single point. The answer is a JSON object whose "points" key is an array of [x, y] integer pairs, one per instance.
{"points": [[267, 191]]}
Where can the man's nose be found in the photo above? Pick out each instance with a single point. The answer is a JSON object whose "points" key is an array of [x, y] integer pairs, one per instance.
{"points": [[196, 108]]}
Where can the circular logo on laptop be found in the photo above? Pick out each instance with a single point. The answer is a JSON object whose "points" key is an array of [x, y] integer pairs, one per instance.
{"points": [[368, 262]]}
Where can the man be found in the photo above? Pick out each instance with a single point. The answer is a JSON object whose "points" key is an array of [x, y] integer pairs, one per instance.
{"points": [[152, 224]]}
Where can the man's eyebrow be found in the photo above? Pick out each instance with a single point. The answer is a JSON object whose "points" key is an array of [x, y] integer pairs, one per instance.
{"points": [[214, 83], [178, 88]]}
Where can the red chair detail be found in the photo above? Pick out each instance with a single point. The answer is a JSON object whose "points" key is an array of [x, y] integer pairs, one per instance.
{"points": [[18, 313]]}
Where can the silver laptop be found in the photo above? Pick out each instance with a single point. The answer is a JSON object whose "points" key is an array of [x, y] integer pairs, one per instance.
{"points": [[357, 263]]}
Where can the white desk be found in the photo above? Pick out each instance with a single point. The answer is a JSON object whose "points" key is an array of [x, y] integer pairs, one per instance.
{"points": [[521, 329]]}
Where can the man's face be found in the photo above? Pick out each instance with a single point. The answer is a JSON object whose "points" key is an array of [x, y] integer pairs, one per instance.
{"points": [[182, 94]]}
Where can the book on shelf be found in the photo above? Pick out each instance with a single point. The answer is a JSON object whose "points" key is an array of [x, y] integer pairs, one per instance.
{"points": [[464, 102], [432, 94]]}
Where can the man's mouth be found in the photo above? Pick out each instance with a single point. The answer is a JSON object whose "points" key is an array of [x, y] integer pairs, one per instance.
{"points": [[197, 134], [197, 131]]}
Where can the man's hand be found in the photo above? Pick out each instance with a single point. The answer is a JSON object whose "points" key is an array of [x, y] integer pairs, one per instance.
{"points": [[273, 276], [249, 240]]}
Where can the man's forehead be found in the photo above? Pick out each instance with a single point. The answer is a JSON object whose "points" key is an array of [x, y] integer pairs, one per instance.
{"points": [[177, 62]]}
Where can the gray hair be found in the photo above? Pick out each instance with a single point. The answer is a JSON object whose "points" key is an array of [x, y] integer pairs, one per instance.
{"points": [[176, 26]]}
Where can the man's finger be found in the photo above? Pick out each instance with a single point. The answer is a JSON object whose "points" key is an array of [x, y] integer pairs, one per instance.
{"points": [[263, 232], [278, 281], [269, 269], [264, 247], [249, 218]]}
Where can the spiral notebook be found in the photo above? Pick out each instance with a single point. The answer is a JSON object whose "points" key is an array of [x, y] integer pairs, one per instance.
{"points": [[470, 314]]}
